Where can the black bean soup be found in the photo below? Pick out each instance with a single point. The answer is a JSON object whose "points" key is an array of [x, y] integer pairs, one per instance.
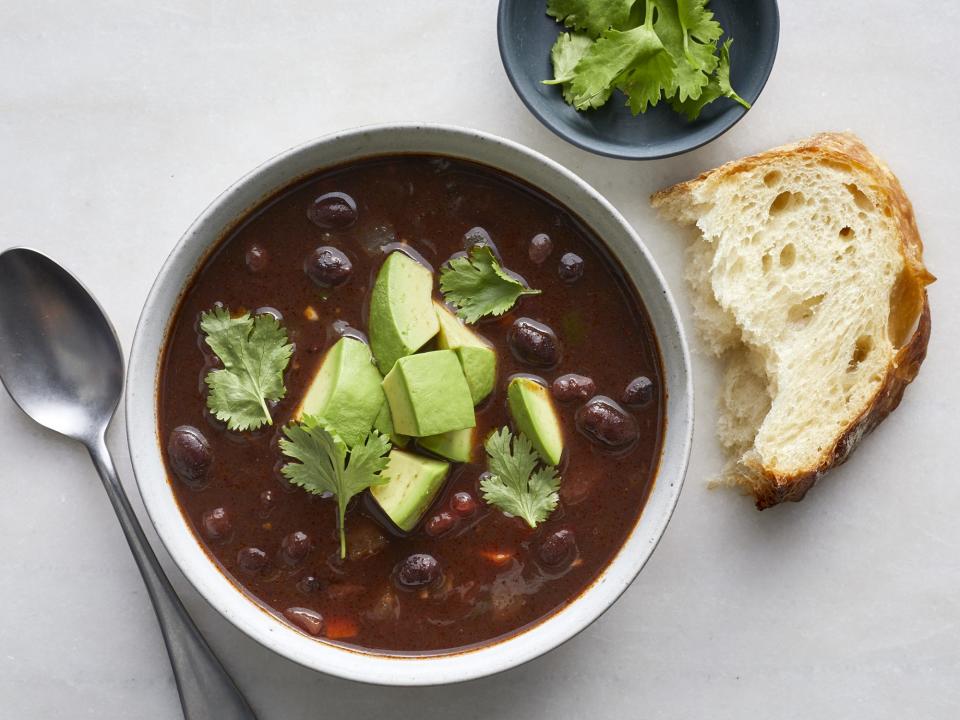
{"points": [[468, 573]]}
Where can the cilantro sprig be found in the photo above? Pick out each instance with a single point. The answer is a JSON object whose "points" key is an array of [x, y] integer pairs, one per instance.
{"points": [[476, 285], [254, 352], [519, 483], [651, 50], [323, 466]]}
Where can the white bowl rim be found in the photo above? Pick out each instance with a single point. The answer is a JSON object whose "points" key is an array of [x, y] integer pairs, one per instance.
{"points": [[384, 669]]}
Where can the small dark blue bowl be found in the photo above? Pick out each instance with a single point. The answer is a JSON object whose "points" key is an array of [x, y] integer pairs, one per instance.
{"points": [[526, 34]]}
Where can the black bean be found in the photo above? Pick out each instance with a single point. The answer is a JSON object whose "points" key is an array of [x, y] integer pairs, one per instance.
{"points": [[295, 546], [252, 559], [328, 267], [479, 236], [558, 547], [604, 421], [463, 504], [418, 570], [309, 584], [310, 621], [639, 392], [571, 267], [334, 210], [533, 343], [189, 454], [573, 387], [439, 524], [256, 258], [539, 248], [268, 498], [217, 524]]}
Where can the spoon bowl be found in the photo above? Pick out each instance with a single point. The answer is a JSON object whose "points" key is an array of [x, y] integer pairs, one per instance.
{"points": [[59, 356]]}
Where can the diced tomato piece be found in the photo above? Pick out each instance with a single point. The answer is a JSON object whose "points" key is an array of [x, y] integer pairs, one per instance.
{"points": [[341, 628], [497, 557]]}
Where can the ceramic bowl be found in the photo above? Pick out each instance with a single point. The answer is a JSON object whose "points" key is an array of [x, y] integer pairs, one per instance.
{"points": [[203, 236], [526, 33]]}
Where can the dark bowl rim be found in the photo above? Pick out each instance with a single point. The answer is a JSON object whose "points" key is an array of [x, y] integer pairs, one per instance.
{"points": [[560, 132]]}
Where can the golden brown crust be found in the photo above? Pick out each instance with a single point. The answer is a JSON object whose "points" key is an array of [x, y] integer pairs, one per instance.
{"points": [[910, 308], [774, 489]]}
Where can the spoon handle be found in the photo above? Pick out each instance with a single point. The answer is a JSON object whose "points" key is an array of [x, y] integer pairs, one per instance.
{"points": [[206, 691]]}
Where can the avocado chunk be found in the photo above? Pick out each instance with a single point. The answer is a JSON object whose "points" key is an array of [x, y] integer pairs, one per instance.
{"points": [[345, 393], [477, 358], [536, 417], [428, 394], [456, 445], [402, 319], [383, 424], [412, 483]]}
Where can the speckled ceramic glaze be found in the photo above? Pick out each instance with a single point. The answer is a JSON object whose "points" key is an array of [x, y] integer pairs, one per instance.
{"points": [[145, 447]]}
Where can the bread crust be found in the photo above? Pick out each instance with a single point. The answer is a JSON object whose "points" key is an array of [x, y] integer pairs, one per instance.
{"points": [[910, 307]]}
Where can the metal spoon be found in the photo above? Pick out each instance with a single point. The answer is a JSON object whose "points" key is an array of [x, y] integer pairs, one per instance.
{"points": [[61, 363]]}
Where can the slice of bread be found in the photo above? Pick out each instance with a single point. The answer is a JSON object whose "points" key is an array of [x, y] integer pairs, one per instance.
{"points": [[808, 278]]}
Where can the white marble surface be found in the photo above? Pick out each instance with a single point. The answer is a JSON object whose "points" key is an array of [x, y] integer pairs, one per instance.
{"points": [[120, 121]]}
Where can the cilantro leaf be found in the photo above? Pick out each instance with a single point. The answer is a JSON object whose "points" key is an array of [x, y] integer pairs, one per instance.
{"points": [[566, 53], [694, 61], [516, 484], [594, 16], [697, 21], [323, 466], [254, 352], [691, 107], [634, 60], [649, 77], [615, 54], [654, 71], [723, 75], [719, 86], [691, 77], [477, 285]]}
